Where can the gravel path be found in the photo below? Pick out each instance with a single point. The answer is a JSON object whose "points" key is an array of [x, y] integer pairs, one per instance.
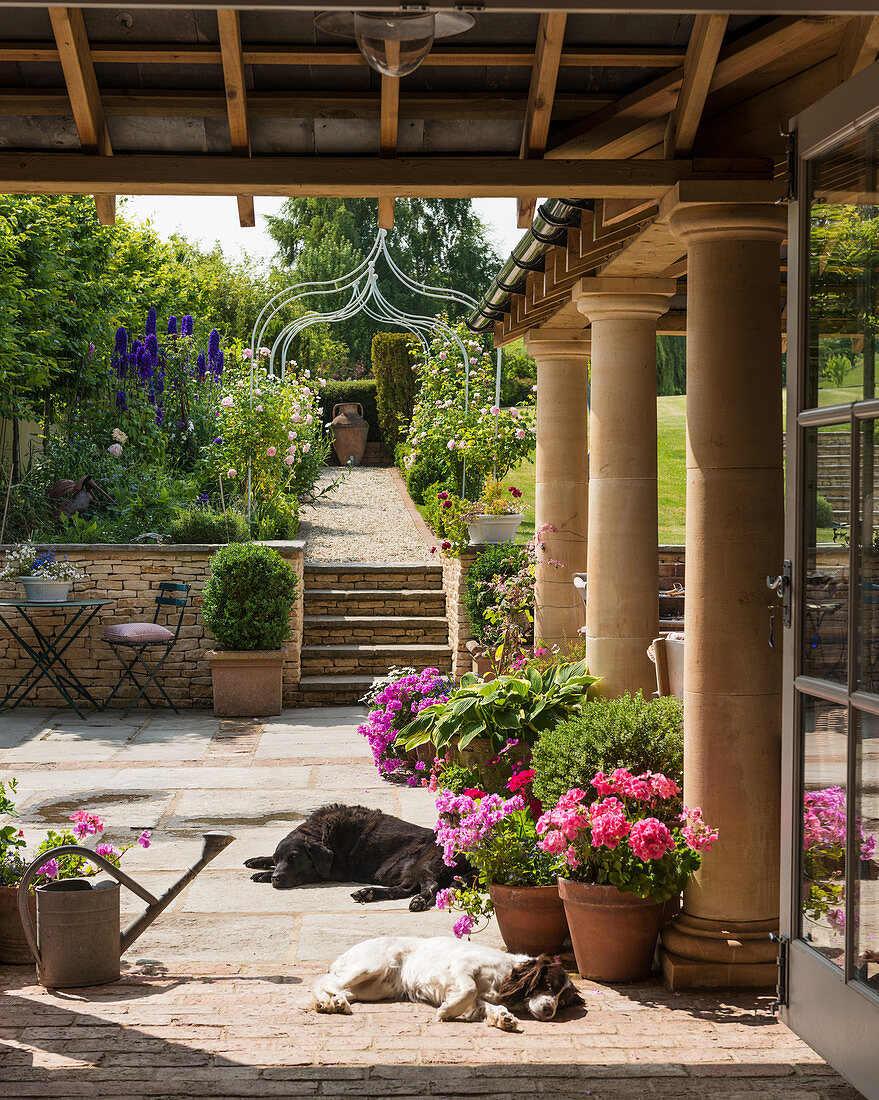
{"points": [[363, 519]]}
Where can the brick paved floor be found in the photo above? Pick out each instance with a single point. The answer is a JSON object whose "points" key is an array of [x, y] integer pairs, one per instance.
{"points": [[214, 996]]}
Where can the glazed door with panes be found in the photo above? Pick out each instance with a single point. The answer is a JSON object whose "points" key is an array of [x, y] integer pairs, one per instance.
{"points": [[829, 985]]}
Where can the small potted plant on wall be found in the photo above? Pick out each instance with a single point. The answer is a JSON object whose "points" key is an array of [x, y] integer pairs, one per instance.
{"points": [[46, 577], [495, 517], [247, 605]]}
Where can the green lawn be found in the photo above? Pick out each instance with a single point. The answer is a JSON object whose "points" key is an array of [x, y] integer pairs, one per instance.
{"points": [[672, 460]]}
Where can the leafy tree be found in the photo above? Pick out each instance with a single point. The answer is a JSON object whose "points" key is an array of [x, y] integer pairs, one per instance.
{"points": [[437, 241]]}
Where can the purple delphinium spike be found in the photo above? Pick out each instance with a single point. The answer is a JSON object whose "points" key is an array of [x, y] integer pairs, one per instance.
{"points": [[159, 382], [144, 365], [150, 328], [186, 325], [152, 346], [119, 360], [218, 367], [121, 401], [158, 416], [213, 347], [172, 325], [200, 366]]}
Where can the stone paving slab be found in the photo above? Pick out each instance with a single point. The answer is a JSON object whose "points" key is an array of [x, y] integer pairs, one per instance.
{"points": [[214, 997]]}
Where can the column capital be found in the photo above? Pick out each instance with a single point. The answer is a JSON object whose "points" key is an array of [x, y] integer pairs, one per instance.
{"points": [[558, 343], [711, 221], [623, 298]]}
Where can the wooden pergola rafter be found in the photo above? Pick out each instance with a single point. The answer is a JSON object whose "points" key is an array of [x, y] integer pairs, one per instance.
{"points": [[541, 94], [229, 25]]}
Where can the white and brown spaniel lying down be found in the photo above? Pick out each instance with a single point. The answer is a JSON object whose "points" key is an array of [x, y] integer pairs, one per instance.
{"points": [[464, 980]]}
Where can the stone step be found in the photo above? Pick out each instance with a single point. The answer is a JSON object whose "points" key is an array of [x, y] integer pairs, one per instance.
{"points": [[316, 691], [375, 601], [361, 660], [371, 575], [376, 629]]}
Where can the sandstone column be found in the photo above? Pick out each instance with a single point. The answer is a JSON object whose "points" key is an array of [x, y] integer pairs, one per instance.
{"points": [[732, 697], [561, 478], [622, 616]]}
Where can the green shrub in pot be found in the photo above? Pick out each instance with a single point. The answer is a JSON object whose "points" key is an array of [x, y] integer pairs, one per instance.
{"points": [[249, 597], [629, 732]]}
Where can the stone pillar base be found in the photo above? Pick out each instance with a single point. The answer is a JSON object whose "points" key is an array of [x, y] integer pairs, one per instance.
{"points": [[697, 953]]}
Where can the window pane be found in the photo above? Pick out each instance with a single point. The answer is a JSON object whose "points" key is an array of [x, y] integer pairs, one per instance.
{"points": [[866, 908], [868, 555], [822, 885], [827, 460], [843, 253]]}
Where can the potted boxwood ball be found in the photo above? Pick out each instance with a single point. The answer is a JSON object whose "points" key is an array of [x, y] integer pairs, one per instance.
{"points": [[246, 606]]}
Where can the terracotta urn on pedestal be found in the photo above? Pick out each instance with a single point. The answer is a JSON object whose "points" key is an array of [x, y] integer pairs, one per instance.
{"points": [[349, 432]]}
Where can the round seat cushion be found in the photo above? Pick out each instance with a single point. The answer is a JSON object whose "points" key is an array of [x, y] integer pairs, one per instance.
{"points": [[137, 633]]}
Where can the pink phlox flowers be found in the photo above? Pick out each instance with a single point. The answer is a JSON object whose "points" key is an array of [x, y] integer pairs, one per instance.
{"points": [[464, 822], [650, 839]]}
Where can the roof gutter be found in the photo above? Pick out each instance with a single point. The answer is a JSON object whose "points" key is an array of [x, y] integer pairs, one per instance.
{"points": [[551, 224]]}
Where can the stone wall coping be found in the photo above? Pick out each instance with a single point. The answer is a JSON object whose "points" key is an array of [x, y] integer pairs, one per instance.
{"points": [[101, 548], [372, 566]]}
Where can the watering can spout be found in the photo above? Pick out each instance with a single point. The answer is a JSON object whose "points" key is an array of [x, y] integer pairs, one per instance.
{"points": [[214, 843]]}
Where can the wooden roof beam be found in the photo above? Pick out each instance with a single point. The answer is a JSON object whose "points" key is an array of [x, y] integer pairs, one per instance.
{"points": [[637, 121], [82, 91], [229, 24], [151, 53], [702, 53], [390, 125], [375, 177], [541, 94], [860, 46]]}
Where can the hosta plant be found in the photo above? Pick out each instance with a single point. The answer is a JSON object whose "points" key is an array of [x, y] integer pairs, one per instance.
{"points": [[520, 704]]}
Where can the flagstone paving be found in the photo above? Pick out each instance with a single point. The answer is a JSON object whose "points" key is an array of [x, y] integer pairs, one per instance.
{"points": [[214, 998]]}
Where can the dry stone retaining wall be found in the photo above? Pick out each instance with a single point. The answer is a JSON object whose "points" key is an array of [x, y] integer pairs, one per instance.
{"points": [[129, 575]]}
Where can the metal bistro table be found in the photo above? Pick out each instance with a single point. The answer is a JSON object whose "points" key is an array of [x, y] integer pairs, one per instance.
{"points": [[47, 650]]}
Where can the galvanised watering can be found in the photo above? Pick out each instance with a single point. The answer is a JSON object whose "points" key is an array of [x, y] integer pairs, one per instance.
{"points": [[78, 939]]}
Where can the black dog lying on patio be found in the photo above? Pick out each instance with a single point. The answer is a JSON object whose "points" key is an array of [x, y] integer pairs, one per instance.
{"points": [[340, 843]]}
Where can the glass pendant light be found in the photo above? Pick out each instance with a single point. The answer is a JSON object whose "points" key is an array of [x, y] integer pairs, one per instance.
{"points": [[394, 43]]}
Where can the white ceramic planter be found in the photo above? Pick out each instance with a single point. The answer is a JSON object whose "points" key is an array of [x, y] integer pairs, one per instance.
{"points": [[491, 530], [42, 590]]}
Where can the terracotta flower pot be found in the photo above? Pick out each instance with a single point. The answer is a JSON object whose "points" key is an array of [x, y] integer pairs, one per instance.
{"points": [[13, 945], [479, 751], [247, 683], [613, 934], [531, 918], [349, 432]]}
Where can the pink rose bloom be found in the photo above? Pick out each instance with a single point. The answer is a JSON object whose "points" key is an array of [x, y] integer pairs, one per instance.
{"points": [[289, 460], [306, 447], [265, 352], [450, 445], [247, 354], [514, 413], [650, 839], [231, 473], [259, 408], [291, 435], [271, 452], [226, 402], [115, 449], [295, 418], [520, 434], [495, 410]]}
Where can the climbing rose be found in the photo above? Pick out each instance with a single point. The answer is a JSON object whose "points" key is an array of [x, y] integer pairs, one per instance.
{"points": [[231, 473], [495, 410], [289, 460], [271, 452], [226, 402], [115, 449]]}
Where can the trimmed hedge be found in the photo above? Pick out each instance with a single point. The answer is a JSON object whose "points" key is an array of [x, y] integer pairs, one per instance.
{"points": [[361, 389], [204, 525], [396, 384], [629, 732]]}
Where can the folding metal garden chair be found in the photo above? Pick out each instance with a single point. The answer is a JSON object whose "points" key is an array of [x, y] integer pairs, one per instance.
{"points": [[139, 637]]}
